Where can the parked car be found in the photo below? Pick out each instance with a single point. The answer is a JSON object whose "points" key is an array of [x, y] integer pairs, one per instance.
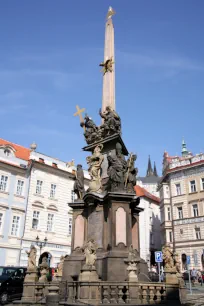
{"points": [[11, 283]]}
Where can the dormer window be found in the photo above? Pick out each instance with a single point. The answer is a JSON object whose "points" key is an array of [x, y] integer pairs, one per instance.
{"points": [[7, 152]]}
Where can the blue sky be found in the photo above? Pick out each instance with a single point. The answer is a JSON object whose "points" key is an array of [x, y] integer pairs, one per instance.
{"points": [[50, 51]]}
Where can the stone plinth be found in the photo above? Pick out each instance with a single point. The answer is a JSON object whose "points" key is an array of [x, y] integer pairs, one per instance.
{"points": [[109, 219], [29, 286], [171, 276]]}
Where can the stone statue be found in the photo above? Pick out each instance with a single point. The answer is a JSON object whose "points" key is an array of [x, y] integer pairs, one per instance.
{"points": [[177, 263], [94, 161], [117, 166], [112, 122], [130, 176], [89, 250], [133, 254], [168, 257], [91, 130], [31, 267], [70, 164], [60, 266], [107, 66], [79, 182], [44, 270]]}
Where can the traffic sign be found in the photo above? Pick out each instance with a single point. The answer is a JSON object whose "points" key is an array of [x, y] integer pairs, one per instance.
{"points": [[158, 256], [188, 260]]}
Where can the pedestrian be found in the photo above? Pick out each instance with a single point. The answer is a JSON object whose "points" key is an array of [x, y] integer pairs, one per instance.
{"points": [[193, 276], [200, 278]]}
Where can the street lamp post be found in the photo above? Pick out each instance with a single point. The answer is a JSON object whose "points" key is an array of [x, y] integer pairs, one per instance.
{"points": [[41, 244]]}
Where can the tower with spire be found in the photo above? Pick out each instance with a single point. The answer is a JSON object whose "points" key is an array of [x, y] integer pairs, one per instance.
{"points": [[184, 150]]}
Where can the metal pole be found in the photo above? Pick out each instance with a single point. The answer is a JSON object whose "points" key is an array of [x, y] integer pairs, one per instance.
{"points": [[159, 272], [189, 279]]}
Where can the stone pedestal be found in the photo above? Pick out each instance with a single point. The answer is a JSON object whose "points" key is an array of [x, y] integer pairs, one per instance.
{"points": [[171, 276], [29, 286], [111, 219], [88, 274]]}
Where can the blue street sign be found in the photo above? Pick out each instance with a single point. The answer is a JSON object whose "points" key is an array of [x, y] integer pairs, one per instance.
{"points": [[158, 256], [188, 260]]}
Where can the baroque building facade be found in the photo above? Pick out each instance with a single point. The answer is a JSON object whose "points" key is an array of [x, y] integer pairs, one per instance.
{"points": [[35, 190], [14, 184], [182, 206]]}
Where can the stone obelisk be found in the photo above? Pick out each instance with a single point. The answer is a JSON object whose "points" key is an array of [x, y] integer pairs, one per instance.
{"points": [[109, 54]]}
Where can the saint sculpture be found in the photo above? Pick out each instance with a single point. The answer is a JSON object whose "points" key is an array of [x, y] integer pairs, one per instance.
{"points": [[89, 250], [112, 122], [130, 177], [95, 161], [168, 257], [44, 270], [79, 182], [31, 267]]}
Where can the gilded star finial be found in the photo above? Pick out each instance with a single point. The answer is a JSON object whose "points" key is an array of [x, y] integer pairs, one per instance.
{"points": [[110, 13]]}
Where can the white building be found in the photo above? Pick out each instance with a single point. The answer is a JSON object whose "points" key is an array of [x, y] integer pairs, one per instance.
{"points": [[14, 183], [48, 215], [182, 206], [149, 225]]}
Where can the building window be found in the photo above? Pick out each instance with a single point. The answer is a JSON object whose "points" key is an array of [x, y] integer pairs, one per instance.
{"points": [[3, 183], [197, 233], [35, 222], [1, 221], [170, 237], [39, 187], [70, 226], [52, 191], [181, 231], [50, 220], [202, 183], [169, 213], [195, 210], [178, 189], [72, 196], [19, 189], [192, 186], [15, 225], [180, 212], [7, 152]]}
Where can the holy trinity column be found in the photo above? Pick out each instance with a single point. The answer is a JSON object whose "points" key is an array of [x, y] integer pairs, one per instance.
{"points": [[108, 98]]}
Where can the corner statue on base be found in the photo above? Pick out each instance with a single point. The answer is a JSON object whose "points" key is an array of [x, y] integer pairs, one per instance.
{"points": [[130, 177], [89, 249], [79, 182], [95, 162], [31, 267], [44, 270], [168, 257], [117, 166]]}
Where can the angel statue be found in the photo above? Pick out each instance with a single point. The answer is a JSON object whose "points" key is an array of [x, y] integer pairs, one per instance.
{"points": [[31, 267], [95, 161]]}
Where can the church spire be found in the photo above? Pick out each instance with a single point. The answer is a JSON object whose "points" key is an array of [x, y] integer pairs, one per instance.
{"points": [[108, 64], [184, 150], [155, 170], [149, 168]]}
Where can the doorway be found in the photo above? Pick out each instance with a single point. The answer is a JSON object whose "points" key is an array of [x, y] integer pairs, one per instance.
{"points": [[184, 261]]}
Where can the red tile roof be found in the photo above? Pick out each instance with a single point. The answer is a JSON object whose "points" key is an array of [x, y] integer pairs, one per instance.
{"points": [[20, 152], [142, 192]]}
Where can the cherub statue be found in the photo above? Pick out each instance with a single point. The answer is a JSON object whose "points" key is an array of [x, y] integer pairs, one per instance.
{"points": [[95, 161], [31, 267], [112, 122], [89, 250], [79, 182], [168, 257], [44, 270]]}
